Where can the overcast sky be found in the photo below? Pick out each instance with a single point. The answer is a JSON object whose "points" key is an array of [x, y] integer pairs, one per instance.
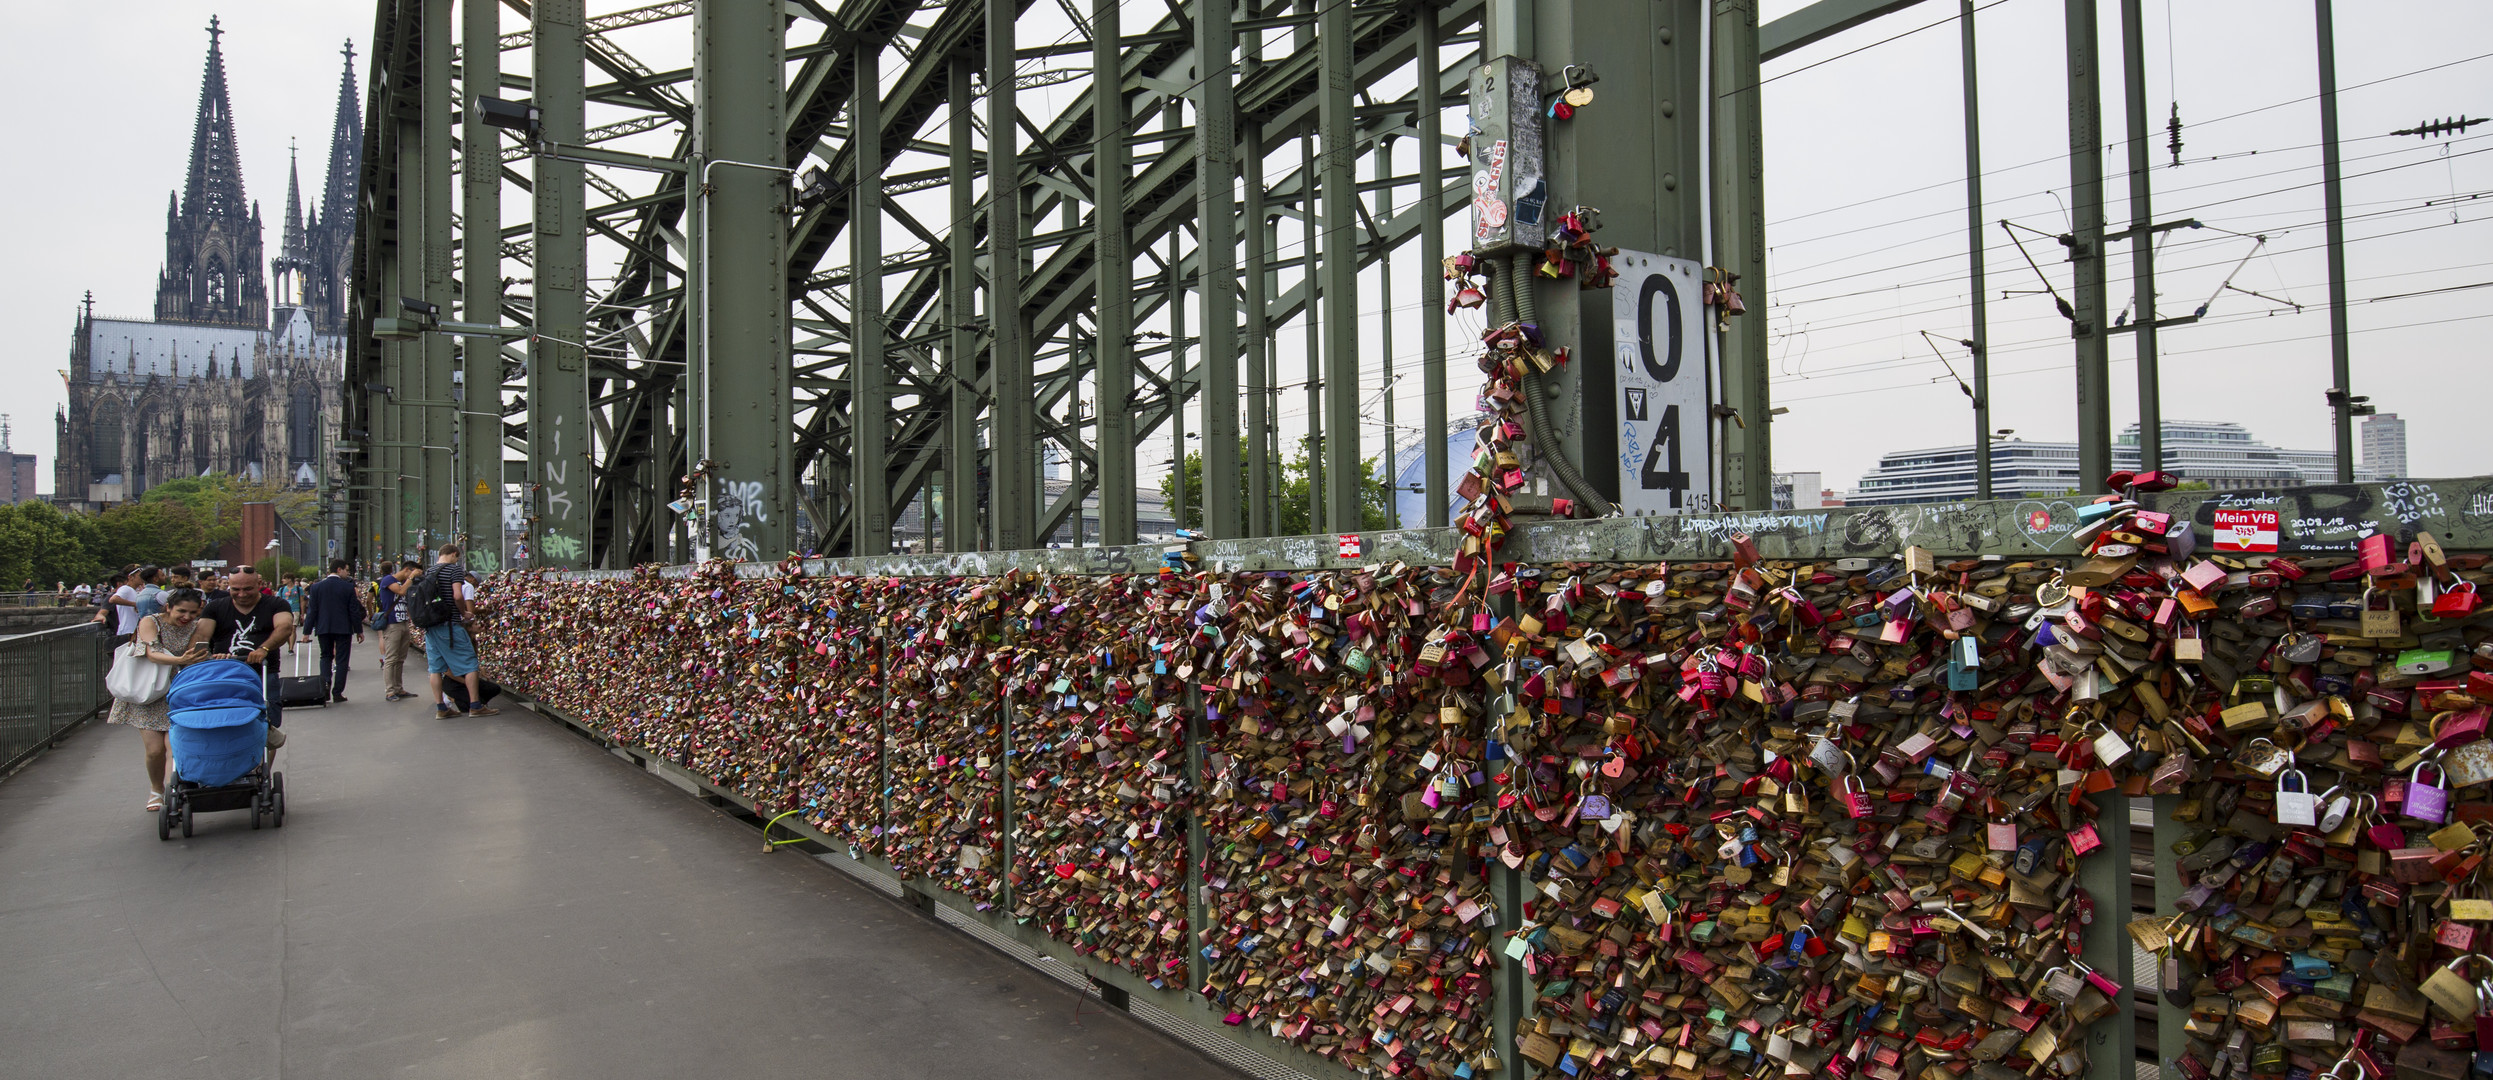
{"points": [[1864, 202]]}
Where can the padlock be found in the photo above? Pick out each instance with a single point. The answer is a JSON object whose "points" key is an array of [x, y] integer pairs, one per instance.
{"points": [[2455, 602], [1856, 797], [2427, 801], [2295, 804], [2380, 616]]}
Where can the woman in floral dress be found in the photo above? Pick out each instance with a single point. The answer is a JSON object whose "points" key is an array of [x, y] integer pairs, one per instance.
{"points": [[176, 637]]}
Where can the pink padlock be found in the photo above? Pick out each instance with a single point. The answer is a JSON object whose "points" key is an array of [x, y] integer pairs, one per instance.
{"points": [[1856, 798]]}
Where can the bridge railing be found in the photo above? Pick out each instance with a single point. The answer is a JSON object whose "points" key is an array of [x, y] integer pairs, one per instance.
{"points": [[49, 681], [1255, 803]]}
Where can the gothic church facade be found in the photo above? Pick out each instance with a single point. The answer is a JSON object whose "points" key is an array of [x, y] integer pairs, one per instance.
{"points": [[240, 371]]}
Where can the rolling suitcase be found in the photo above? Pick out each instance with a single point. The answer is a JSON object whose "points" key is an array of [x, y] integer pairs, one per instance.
{"points": [[299, 690]]}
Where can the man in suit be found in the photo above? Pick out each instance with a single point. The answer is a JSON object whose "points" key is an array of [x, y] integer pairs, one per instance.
{"points": [[334, 613]]}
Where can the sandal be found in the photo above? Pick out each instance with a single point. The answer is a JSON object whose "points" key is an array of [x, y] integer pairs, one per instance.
{"points": [[155, 801]]}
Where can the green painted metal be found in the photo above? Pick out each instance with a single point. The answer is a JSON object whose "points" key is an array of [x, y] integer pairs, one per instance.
{"points": [[1114, 376], [558, 499], [2142, 237], [1262, 470], [1974, 254], [1015, 503], [869, 400], [1432, 282], [1216, 236], [480, 288], [2086, 293], [433, 418], [1739, 185], [741, 425], [2333, 199], [1820, 21], [962, 531], [1339, 269]]}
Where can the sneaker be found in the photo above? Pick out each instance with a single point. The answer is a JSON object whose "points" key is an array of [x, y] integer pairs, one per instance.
{"points": [[444, 714], [337, 698], [485, 710]]}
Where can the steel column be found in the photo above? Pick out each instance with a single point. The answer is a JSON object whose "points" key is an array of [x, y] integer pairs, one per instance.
{"points": [[2141, 238], [1973, 255], [480, 189], [558, 389], [1313, 453], [869, 408], [1385, 333], [1016, 503], [1113, 380], [1432, 281], [434, 415], [961, 496], [1738, 178], [2094, 371], [1261, 481], [1216, 234], [740, 366], [1340, 266], [2341, 373]]}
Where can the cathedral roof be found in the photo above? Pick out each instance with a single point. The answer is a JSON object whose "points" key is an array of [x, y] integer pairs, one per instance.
{"points": [[136, 346]]}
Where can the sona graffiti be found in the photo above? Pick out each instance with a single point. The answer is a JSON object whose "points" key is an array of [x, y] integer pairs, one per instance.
{"points": [[739, 502]]}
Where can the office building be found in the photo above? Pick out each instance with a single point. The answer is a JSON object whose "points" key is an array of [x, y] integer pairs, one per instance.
{"points": [[2221, 453], [2384, 446]]}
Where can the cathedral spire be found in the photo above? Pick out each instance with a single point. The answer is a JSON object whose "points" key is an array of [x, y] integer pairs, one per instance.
{"points": [[292, 247], [214, 186], [346, 143]]}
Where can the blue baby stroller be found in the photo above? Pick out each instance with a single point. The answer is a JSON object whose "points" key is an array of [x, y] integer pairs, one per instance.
{"points": [[219, 741]]}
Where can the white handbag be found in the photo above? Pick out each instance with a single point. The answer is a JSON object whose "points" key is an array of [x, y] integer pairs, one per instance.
{"points": [[135, 678]]}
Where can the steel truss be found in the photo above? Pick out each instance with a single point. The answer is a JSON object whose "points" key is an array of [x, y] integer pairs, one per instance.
{"points": [[725, 368]]}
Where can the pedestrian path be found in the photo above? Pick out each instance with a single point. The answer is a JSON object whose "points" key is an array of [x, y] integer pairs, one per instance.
{"points": [[489, 897]]}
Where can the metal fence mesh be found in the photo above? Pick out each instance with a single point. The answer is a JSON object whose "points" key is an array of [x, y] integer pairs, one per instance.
{"points": [[48, 681]]}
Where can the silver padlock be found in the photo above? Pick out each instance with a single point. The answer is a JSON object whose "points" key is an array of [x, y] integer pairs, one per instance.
{"points": [[2110, 747], [2296, 805], [2062, 984], [2335, 805]]}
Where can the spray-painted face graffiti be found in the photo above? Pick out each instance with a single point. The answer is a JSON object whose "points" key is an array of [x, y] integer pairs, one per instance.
{"points": [[738, 502]]}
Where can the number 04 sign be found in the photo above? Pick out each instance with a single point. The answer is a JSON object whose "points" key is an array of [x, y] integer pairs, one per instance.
{"points": [[1666, 443]]}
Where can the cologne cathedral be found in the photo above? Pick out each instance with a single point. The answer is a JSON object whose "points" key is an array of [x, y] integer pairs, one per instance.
{"points": [[230, 376]]}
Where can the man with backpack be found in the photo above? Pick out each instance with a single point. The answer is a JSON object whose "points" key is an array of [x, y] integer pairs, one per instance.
{"points": [[390, 619], [442, 604]]}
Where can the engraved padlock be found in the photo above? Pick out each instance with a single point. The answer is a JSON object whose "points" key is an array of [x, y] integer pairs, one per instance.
{"points": [[2110, 747], [2335, 804], [2062, 984], [2295, 804], [1856, 797], [2427, 801]]}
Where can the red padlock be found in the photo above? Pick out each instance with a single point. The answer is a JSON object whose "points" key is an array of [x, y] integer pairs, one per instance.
{"points": [[2456, 602]]}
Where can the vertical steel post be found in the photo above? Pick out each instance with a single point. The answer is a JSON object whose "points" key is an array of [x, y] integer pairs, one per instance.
{"points": [[2142, 238], [744, 424], [1312, 454], [2341, 374], [1738, 178], [2112, 1042], [1340, 266], [2094, 368], [1013, 438], [1385, 332], [1176, 306], [1432, 255], [436, 435], [1112, 244], [1216, 233], [558, 398], [961, 497], [1973, 254], [1260, 479], [869, 408], [480, 189]]}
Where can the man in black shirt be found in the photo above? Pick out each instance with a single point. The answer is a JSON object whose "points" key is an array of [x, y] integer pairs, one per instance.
{"points": [[253, 625]]}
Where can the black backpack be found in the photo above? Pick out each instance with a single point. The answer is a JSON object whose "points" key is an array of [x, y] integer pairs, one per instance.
{"points": [[431, 607]]}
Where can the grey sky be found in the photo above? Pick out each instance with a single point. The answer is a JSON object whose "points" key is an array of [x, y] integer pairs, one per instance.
{"points": [[113, 92]]}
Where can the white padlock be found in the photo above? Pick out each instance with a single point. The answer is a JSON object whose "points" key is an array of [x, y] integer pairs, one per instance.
{"points": [[2296, 805]]}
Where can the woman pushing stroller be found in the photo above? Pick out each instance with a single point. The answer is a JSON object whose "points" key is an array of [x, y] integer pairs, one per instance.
{"points": [[176, 637]]}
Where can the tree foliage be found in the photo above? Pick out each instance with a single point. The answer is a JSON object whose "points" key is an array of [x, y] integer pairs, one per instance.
{"points": [[216, 500], [38, 541], [1375, 502], [162, 533]]}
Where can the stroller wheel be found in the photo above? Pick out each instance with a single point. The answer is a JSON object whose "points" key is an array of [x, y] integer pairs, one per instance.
{"points": [[187, 815], [259, 807], [277, 800], [164, 817]]}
